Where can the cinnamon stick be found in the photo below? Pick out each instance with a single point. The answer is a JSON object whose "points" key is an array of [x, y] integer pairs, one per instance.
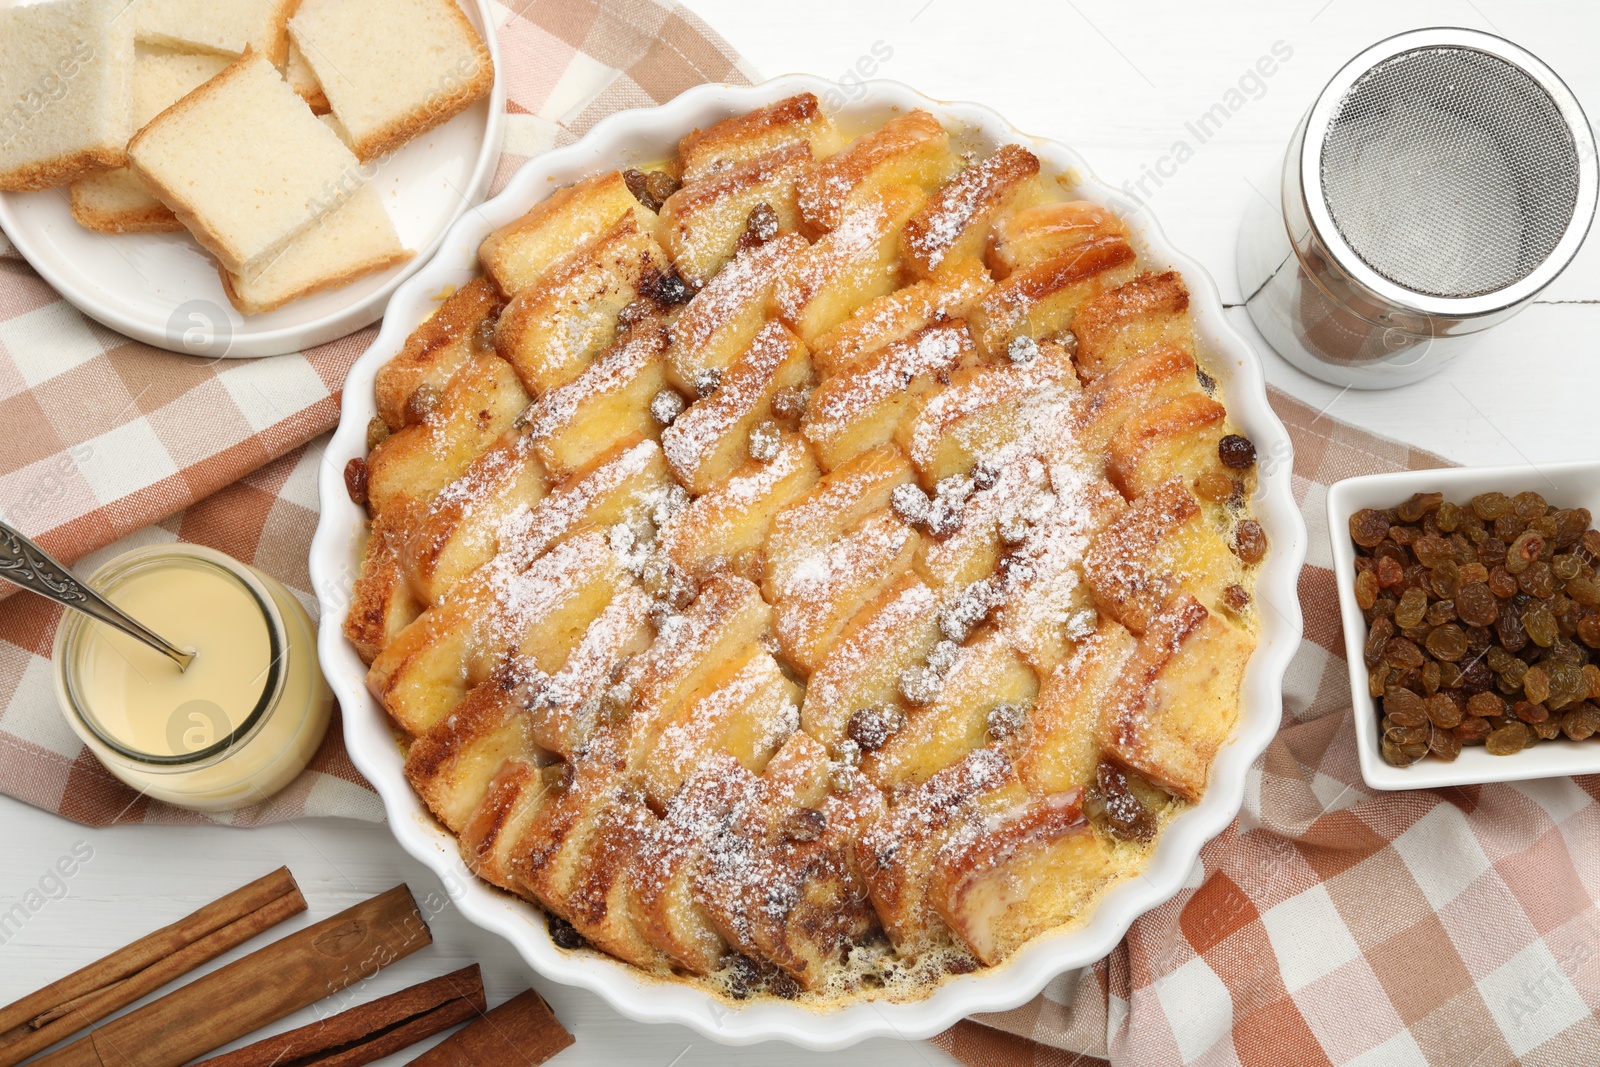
{"points": [[370, 1031], [261, 988], [522, 1032], [88, 995]]}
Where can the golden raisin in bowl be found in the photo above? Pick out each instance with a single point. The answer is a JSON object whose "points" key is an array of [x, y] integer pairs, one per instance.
{"points": [[1483, 623], [837, 538]]}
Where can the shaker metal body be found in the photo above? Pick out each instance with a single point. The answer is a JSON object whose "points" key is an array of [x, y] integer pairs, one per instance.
{"points": [[1325, 290]]}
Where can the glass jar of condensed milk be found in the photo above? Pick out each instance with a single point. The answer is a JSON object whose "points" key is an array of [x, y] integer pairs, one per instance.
{"points": [[234, 728]]}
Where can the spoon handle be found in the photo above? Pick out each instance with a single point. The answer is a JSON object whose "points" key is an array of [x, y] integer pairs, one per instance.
{"points": [[25, 564]]}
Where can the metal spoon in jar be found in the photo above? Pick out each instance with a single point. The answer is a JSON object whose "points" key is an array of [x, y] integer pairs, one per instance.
{"points": [[25, 564]]}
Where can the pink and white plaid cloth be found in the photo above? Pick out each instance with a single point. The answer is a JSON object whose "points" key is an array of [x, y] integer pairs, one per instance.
{"points": [[1330, 925]]}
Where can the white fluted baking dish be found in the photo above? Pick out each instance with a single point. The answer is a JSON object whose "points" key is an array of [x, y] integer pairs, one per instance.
{"points": [[645, 136]]}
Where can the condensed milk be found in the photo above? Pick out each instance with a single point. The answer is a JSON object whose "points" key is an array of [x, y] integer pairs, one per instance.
{"points": [[234, 728]]}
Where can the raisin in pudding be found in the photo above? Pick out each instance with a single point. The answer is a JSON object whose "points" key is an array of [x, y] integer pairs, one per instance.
{"points": [[813, 566]]}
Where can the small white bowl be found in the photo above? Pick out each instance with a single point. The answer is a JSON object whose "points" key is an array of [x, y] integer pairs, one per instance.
{"points": [[163, 288], [1568, 485], [630, 138]]}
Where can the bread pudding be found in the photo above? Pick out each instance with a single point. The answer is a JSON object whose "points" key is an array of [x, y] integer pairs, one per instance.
{"points": [[813, 566]]}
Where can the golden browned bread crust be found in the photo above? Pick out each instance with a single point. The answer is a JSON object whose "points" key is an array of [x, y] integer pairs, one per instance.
{"points": [[49, 173], [154, 219], [436, 348], [344, 277]]}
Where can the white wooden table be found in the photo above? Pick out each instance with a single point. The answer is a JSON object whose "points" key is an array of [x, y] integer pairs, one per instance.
{"points": [[1116, 80]]}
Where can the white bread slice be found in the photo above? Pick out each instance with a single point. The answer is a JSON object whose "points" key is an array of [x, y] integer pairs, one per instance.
{"points": [[226, 27], [351, 241], [244, 164], [117, 201], [303, 80], [392, 69], [66, 91]]}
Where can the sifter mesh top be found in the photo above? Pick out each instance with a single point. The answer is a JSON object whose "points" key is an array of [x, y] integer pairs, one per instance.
{"points": [[1449, 171]]}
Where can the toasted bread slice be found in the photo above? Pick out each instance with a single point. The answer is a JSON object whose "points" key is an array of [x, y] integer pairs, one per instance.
{"points": [[342, 246], [718, 324], [910, 150], [703, 222], [712, 439], [576, 851], [222, 27], [899, 315], [1161, 547], [1178, 697], [724, 619], [452, 764], [861, 409], [989, 412], [1040, 300], [1036, 866], [973, 551], [565, 708], [1044, 232], [540, 613], [603, 899], [804, 531], [1179, 437], [1160, 373], [747, 708], [896, 856], [392, 69], [66, 92], [565, 223], [460, 528], [986, 673], [552, 330], [477, 406], [778, 884], [954, 225], [116, 201], [1047, 603], [489, 837], [609, 401], [381, 601], [1062, 746], [863, 667], [724, 530], [461, 327], [796, 120], [671, 862], [1118, 324], [857, 261], [618, 488], [828, 589], [249, 170]]}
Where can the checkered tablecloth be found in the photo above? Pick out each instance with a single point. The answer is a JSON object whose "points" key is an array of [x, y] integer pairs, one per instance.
{"points": [[1330, 925]]}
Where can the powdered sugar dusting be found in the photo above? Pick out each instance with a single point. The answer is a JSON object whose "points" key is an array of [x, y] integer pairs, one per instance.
{"points": [[609, 373], [841, 400], [699, 433], [744, 283], [964, 201], [528, 533], [976, 574]]}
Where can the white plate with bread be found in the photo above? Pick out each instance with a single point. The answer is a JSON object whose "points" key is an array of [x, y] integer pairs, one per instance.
{"points": [[242, 178], [640, 138]]}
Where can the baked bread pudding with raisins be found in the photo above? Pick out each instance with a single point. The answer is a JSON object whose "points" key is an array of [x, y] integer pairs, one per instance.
{"points": [[813, 566]]}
